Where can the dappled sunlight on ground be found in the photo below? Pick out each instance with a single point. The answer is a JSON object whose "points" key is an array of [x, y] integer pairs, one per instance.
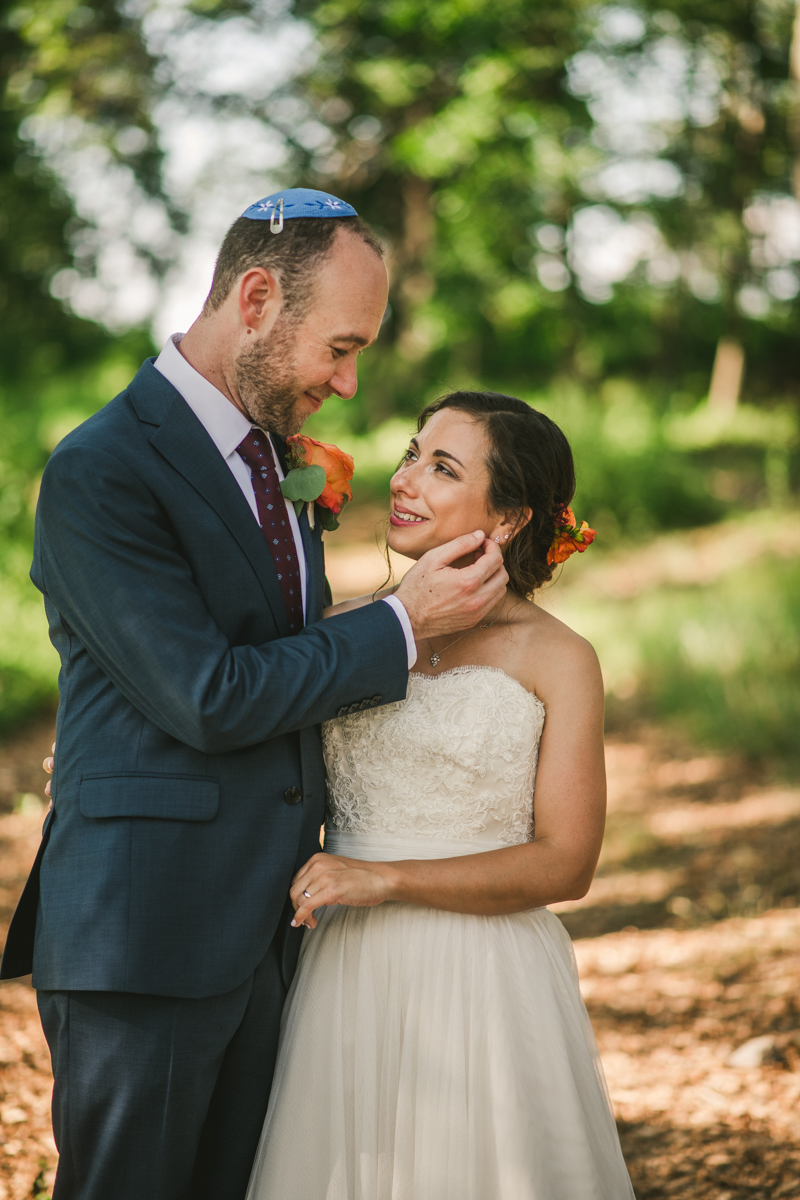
{"points": [[27, 1149], [689, 840], [699, 1031], [687, 945]]}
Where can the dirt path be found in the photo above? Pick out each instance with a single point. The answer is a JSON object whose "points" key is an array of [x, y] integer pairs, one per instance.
{"points": [[27, 1149], [688, 951]]}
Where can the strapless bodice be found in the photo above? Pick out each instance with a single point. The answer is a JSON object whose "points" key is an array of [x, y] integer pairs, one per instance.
{"points": [[456, 760]]}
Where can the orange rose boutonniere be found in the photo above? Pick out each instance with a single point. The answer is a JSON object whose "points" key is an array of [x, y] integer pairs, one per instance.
{"points": [[569, 537], [320, 475]]}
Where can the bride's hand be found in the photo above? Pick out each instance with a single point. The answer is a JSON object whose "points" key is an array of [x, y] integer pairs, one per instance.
{"points": [[329, 879]]}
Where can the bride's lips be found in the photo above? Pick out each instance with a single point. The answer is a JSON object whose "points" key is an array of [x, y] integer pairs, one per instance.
{"points": [[400, 523]]}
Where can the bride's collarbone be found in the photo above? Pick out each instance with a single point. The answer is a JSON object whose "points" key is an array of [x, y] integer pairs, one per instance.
{"points": [[464, 665], [509, 649]]}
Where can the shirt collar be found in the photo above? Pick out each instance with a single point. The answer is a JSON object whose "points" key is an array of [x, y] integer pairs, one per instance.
{"points": [[223, 422]]}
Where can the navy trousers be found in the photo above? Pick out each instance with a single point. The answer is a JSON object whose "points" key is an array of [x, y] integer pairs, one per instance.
{"points": [[158, 1098]]}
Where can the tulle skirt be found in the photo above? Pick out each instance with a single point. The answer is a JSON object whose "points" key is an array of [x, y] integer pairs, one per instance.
{"points": [[428, 1055]]}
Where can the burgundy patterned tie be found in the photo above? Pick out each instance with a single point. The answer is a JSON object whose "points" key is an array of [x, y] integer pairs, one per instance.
{"points": [[273, 517]]}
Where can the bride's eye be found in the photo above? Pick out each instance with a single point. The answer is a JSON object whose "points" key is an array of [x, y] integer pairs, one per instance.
{"points": [[409, 456]]}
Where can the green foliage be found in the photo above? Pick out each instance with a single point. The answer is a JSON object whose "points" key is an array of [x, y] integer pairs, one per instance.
{"points": [[720, 661], [90, 61], [634, 478], [38, 339], [55, 369], [631, 481], [465, 133], [34, 415]]}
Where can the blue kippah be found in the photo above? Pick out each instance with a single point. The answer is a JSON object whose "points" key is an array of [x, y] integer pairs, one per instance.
{"points": [[297, 202]]}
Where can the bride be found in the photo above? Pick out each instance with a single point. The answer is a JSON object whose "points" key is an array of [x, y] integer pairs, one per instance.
{"points": [[434, 1044]]}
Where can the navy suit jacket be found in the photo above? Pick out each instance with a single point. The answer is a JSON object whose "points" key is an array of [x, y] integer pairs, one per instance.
{"points": [[189, 781]]}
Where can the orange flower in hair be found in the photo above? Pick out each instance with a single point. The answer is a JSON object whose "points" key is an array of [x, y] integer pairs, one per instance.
{"points": [[569, 537]]}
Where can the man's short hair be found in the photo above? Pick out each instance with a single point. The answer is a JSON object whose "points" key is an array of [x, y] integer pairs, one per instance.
{"points": [[294, 255]]}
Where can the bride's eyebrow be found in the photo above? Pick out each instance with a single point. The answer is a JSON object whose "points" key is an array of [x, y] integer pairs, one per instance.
{"points": [[438, 453], [444, 454]]}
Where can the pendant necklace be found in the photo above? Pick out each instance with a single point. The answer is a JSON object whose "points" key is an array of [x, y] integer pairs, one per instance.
{"points": [[436, 658]]}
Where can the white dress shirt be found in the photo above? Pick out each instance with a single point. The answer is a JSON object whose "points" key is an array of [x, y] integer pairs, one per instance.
{"points": [[228, 427]]}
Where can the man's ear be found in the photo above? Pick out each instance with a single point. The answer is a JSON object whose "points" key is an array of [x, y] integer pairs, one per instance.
{"points": [[260, 299]]}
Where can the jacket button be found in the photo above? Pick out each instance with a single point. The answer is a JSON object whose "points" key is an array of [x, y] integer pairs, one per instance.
{"points": [[293, 795]]}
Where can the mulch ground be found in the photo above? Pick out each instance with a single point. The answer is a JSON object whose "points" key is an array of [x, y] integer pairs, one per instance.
{"points": [[687, 946], [27, 1149]]}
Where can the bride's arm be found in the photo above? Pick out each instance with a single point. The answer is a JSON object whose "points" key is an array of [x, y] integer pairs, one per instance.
{"points": [[558, 864]]}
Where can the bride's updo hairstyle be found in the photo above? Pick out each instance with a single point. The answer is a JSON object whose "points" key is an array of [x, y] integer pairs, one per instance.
{"points": [[530, 466]]}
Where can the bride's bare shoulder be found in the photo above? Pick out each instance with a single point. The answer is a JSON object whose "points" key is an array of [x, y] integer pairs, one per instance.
{"points": [[553, 658]]}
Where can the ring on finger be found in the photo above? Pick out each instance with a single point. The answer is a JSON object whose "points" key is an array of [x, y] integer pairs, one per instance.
{"points": [[307, 895]]}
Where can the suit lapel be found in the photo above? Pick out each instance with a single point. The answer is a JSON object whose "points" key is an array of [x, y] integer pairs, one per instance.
{"points": [[279, 442], [183, 442], [312, 544], [181, 439]]}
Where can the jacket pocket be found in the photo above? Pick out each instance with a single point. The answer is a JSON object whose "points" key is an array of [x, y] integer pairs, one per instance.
{"points": [[164, 797]]}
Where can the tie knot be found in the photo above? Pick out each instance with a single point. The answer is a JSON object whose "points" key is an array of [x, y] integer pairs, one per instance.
{"points": [[256, 450]]}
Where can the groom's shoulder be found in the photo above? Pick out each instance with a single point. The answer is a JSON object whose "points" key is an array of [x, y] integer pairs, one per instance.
{"points": [[123, 426]]}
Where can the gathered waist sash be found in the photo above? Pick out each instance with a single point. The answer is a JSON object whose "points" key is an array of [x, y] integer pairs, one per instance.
{"points": [[379, 847]]}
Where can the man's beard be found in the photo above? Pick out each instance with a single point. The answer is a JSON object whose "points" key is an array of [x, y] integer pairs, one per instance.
{"points": [[267, 383]]}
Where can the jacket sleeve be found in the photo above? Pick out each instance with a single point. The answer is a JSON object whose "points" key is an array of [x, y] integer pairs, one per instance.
{"points": [[107, 559]]}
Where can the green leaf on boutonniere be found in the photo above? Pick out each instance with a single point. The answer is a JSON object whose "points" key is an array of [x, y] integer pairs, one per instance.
{"points": [[303, 484], [327, 519]]}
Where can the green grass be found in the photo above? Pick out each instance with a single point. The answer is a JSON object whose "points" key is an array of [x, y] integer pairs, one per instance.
{"points": [[34, 416], [28, 662], [720, 661]]}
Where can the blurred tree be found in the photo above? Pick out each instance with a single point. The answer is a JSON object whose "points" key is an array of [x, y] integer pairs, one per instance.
{"points": [[40, 341], [571, 192], [88, 61], [568, 189], [443, 113], [50, 359], [727, 124], [36, 334], [587, 204]]}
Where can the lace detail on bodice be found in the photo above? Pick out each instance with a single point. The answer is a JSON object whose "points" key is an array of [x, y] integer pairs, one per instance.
{"points": [[456, 759]]}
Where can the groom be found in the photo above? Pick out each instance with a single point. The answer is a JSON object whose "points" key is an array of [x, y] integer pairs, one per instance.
{"points": [[185, 600]]}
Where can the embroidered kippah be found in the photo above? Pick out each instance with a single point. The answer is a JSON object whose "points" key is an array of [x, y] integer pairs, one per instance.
{"points": [[297, 202]]}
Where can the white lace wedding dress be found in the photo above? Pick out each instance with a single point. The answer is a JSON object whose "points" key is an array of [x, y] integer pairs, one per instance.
{"points": [[429, 1055]]}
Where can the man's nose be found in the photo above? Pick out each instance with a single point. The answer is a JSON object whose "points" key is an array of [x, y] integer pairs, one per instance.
{"points": [[344, 380]]}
